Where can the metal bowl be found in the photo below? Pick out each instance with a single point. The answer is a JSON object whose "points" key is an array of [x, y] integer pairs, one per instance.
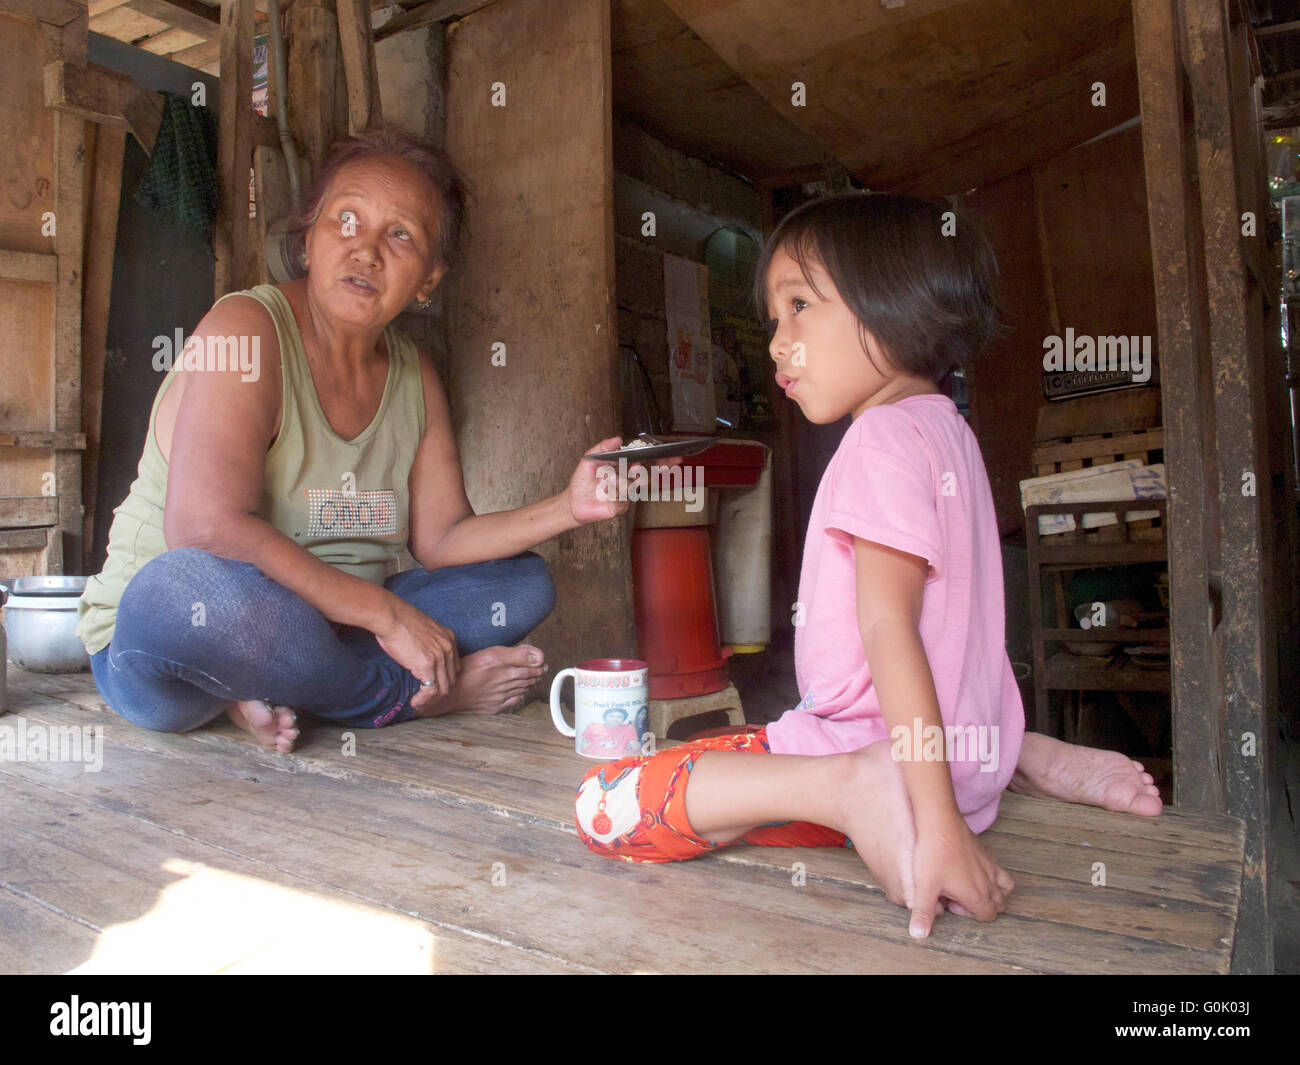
{"points": [[46, 585], [40, 619]]}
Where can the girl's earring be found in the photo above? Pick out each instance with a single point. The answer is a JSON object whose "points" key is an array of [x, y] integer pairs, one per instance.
{"points": [[425, 303]]}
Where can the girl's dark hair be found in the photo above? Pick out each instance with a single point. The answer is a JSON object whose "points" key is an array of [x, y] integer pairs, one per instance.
{"points": [[929, 299], [385, 141]]}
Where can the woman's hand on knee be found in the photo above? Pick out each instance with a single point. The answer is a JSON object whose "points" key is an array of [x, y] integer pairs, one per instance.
{"points": [[419, 644]]}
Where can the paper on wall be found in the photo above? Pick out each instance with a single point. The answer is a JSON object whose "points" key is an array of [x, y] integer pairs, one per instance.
{"points": [[690, 347]]}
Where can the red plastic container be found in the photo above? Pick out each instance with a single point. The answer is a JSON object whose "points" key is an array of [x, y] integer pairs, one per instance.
{"points": [[676, 620], [731, 464]]}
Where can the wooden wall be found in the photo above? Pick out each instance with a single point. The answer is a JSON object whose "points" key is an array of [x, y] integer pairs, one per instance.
{"points": [[41, 219], [1071, 237], [537, 273], [27, 357]]}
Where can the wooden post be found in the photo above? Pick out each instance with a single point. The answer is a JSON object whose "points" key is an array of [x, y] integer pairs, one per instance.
{"points": [[69, 175], [1236, 335], [234, 144], [1197, 774], [356, 42], [529, 119], [313, 57], [101, 239]]}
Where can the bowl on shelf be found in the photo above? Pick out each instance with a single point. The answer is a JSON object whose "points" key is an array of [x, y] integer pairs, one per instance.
{"points": [[1093, 617]]}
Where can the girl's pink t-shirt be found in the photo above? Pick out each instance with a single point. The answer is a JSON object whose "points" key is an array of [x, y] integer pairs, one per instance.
{"points": [[909, 475]]}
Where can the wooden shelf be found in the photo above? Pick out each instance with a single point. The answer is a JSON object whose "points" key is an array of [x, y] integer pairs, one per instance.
{"points": [[1070, 672], [1055, 668], [1085, 556], [1129, 637]]}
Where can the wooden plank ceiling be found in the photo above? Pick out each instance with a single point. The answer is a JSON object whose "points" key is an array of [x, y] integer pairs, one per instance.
{"points": [[667, 80], [186, 31], [928, 96], [932, 96]]}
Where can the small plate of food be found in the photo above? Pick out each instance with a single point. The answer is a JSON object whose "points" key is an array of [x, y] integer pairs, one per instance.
{"points": [[645, 448]]}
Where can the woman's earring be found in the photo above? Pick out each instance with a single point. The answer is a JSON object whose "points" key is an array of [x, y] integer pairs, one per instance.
{"points": [[424, 304]]}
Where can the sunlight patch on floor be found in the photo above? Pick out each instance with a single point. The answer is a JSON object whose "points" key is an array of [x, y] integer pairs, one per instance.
{"points": [[216, 921]]}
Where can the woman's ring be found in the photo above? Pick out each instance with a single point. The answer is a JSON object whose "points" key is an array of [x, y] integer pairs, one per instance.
{"points": [[428, 684]]}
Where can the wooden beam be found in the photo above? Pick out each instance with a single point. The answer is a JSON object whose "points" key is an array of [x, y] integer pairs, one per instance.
{"points": [[427, 15], [235, 144], [27, 511], [143, 113], [57, 441], [97, 271], [29, 266], [1280, 29], [313, 61], [274, 202], [265, 132], [1198, 781], [51, 12], [357, 45], [188, 15], [89, 92], [1241, 441], [69, 208], [21, 539]]}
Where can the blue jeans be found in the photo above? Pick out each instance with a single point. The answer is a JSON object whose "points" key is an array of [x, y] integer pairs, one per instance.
{"points": [[195, 631]]}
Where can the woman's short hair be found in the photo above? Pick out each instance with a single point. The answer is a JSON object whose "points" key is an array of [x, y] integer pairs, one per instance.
{"points": [[922, 280], [388, 141]]}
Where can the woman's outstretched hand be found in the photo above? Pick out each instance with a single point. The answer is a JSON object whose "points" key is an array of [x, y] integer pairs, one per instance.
{"points": [[418, 643], [595, 495], [951, 864]]}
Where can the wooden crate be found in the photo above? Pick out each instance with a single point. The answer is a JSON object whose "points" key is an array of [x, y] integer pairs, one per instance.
{"points": [[1080, 452], [1096, 430]]}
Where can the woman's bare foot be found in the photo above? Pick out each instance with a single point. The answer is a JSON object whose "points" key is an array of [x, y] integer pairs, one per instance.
{"points": [[489, 681], [876, 815], [1051, 769], [272, 726]]}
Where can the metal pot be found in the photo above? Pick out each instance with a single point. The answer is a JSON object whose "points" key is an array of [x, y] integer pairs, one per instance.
{"points": [[40, 619]]}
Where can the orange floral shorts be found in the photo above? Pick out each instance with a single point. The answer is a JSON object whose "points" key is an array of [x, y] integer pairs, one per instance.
{"points": [[634, 809]]}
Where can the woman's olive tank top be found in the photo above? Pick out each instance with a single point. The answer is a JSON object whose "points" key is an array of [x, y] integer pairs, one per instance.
{"points": [[345, 501]]}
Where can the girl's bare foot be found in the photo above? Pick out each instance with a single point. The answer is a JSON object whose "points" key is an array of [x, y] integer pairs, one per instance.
{"points": [[272, 726], [489, 681], [876, 815], [1051, 769]]}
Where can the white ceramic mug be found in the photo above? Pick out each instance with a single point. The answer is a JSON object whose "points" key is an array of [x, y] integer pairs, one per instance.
{"points": [[611, 707]]}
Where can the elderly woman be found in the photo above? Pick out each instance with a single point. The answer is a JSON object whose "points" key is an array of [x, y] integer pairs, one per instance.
{"points": [[246, 569]]}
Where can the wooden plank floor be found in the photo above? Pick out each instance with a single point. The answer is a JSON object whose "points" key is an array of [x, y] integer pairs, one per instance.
{"points": [[448, 846]]}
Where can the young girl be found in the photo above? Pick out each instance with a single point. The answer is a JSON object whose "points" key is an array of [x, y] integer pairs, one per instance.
{"points": [[911, 724]]}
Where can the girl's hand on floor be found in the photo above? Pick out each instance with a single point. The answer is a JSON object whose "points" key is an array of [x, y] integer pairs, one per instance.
{"points": [[952, 864], [418, 643]]}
